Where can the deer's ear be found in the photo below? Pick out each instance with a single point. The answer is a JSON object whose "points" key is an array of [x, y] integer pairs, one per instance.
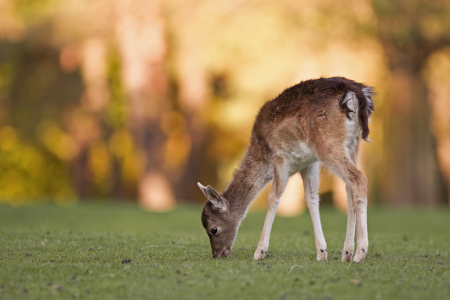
{"points": [[215, 199], [202, 188]]}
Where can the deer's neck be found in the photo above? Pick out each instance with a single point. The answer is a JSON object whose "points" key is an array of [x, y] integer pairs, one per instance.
{"points": [[248, 180]]}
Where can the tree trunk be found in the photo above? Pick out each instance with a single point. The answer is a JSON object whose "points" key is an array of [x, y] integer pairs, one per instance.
{"points": [[142, 46], [80, 173], [192, 95], [413, 175], [85, 125]]}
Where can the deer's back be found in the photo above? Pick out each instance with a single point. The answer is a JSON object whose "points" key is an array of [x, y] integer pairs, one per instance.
{"points": [[303, 118]]}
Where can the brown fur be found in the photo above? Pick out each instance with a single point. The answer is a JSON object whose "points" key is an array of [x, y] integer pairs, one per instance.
{"points": [[314, 113]]}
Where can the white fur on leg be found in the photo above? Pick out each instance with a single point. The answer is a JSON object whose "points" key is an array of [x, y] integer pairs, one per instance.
{"points": [[362, 240], [263, 244], [321, 245], [349, 243], [310, 177], [278, 185]]}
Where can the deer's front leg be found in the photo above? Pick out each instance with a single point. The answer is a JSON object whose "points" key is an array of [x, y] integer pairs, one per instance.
{"points": [[280, 178]]}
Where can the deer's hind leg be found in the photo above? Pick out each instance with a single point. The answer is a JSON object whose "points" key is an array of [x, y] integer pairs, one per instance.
{"points": [[349, 243], [338, 160], [310, 176], [352, 147]]}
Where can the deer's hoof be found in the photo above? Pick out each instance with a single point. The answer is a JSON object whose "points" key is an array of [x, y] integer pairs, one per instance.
{"points": [[322, 254], [360, 255], [259, 254], [346, 256]]}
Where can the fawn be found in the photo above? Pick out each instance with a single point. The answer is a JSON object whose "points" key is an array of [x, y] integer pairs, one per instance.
{"points": [[321, 120]]}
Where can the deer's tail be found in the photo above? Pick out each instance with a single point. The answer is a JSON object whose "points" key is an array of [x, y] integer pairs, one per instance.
{"points": [[358, 103]]}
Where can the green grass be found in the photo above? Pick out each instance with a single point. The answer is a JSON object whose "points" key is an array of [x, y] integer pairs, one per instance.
{"points": [[76, 252]]}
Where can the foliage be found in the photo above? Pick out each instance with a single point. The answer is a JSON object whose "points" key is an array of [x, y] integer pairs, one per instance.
{"points": [[64, 94], [81, 251]]}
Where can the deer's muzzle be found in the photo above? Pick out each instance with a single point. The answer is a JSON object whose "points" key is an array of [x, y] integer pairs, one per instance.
{"points": [[225, 252]]}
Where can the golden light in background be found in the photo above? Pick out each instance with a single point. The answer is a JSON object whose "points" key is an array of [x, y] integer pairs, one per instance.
{"points": [[178, 143], [133, 167], [8, 138], [24, 170], [176, 149], [292, 201], [289, 42], [155, 197], [121, 143], [437, 74], [339, 194], [57, 141], [94, 71], [99, 162], [69, 59]]}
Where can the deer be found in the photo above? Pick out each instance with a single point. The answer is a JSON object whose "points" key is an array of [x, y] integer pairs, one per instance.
{"points": [[318, 121]]}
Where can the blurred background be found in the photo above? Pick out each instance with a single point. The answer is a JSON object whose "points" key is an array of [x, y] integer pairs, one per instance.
{"points": [[137, 100]]}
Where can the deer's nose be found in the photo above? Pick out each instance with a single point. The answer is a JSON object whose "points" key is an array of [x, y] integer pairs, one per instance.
{"points": [[217, 253], [221, 253], [226, 252]]}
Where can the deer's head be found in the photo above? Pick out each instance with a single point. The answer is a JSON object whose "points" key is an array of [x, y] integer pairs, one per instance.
{"points": [[220, 223]]}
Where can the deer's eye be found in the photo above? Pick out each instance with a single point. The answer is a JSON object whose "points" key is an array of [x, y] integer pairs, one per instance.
{"points": [[213, 231]]}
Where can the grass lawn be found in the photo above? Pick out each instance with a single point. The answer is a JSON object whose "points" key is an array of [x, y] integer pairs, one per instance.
{"points": [[79, 252]]}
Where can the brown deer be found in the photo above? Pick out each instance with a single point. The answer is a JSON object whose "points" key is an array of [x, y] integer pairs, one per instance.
{"points": [[321, 120]]}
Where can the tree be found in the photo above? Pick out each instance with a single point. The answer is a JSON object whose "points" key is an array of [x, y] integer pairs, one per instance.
{"points": [[409, 32], [142, 45]]}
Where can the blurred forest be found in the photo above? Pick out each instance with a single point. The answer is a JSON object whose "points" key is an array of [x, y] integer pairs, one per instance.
{"points": [[136, 100]]}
